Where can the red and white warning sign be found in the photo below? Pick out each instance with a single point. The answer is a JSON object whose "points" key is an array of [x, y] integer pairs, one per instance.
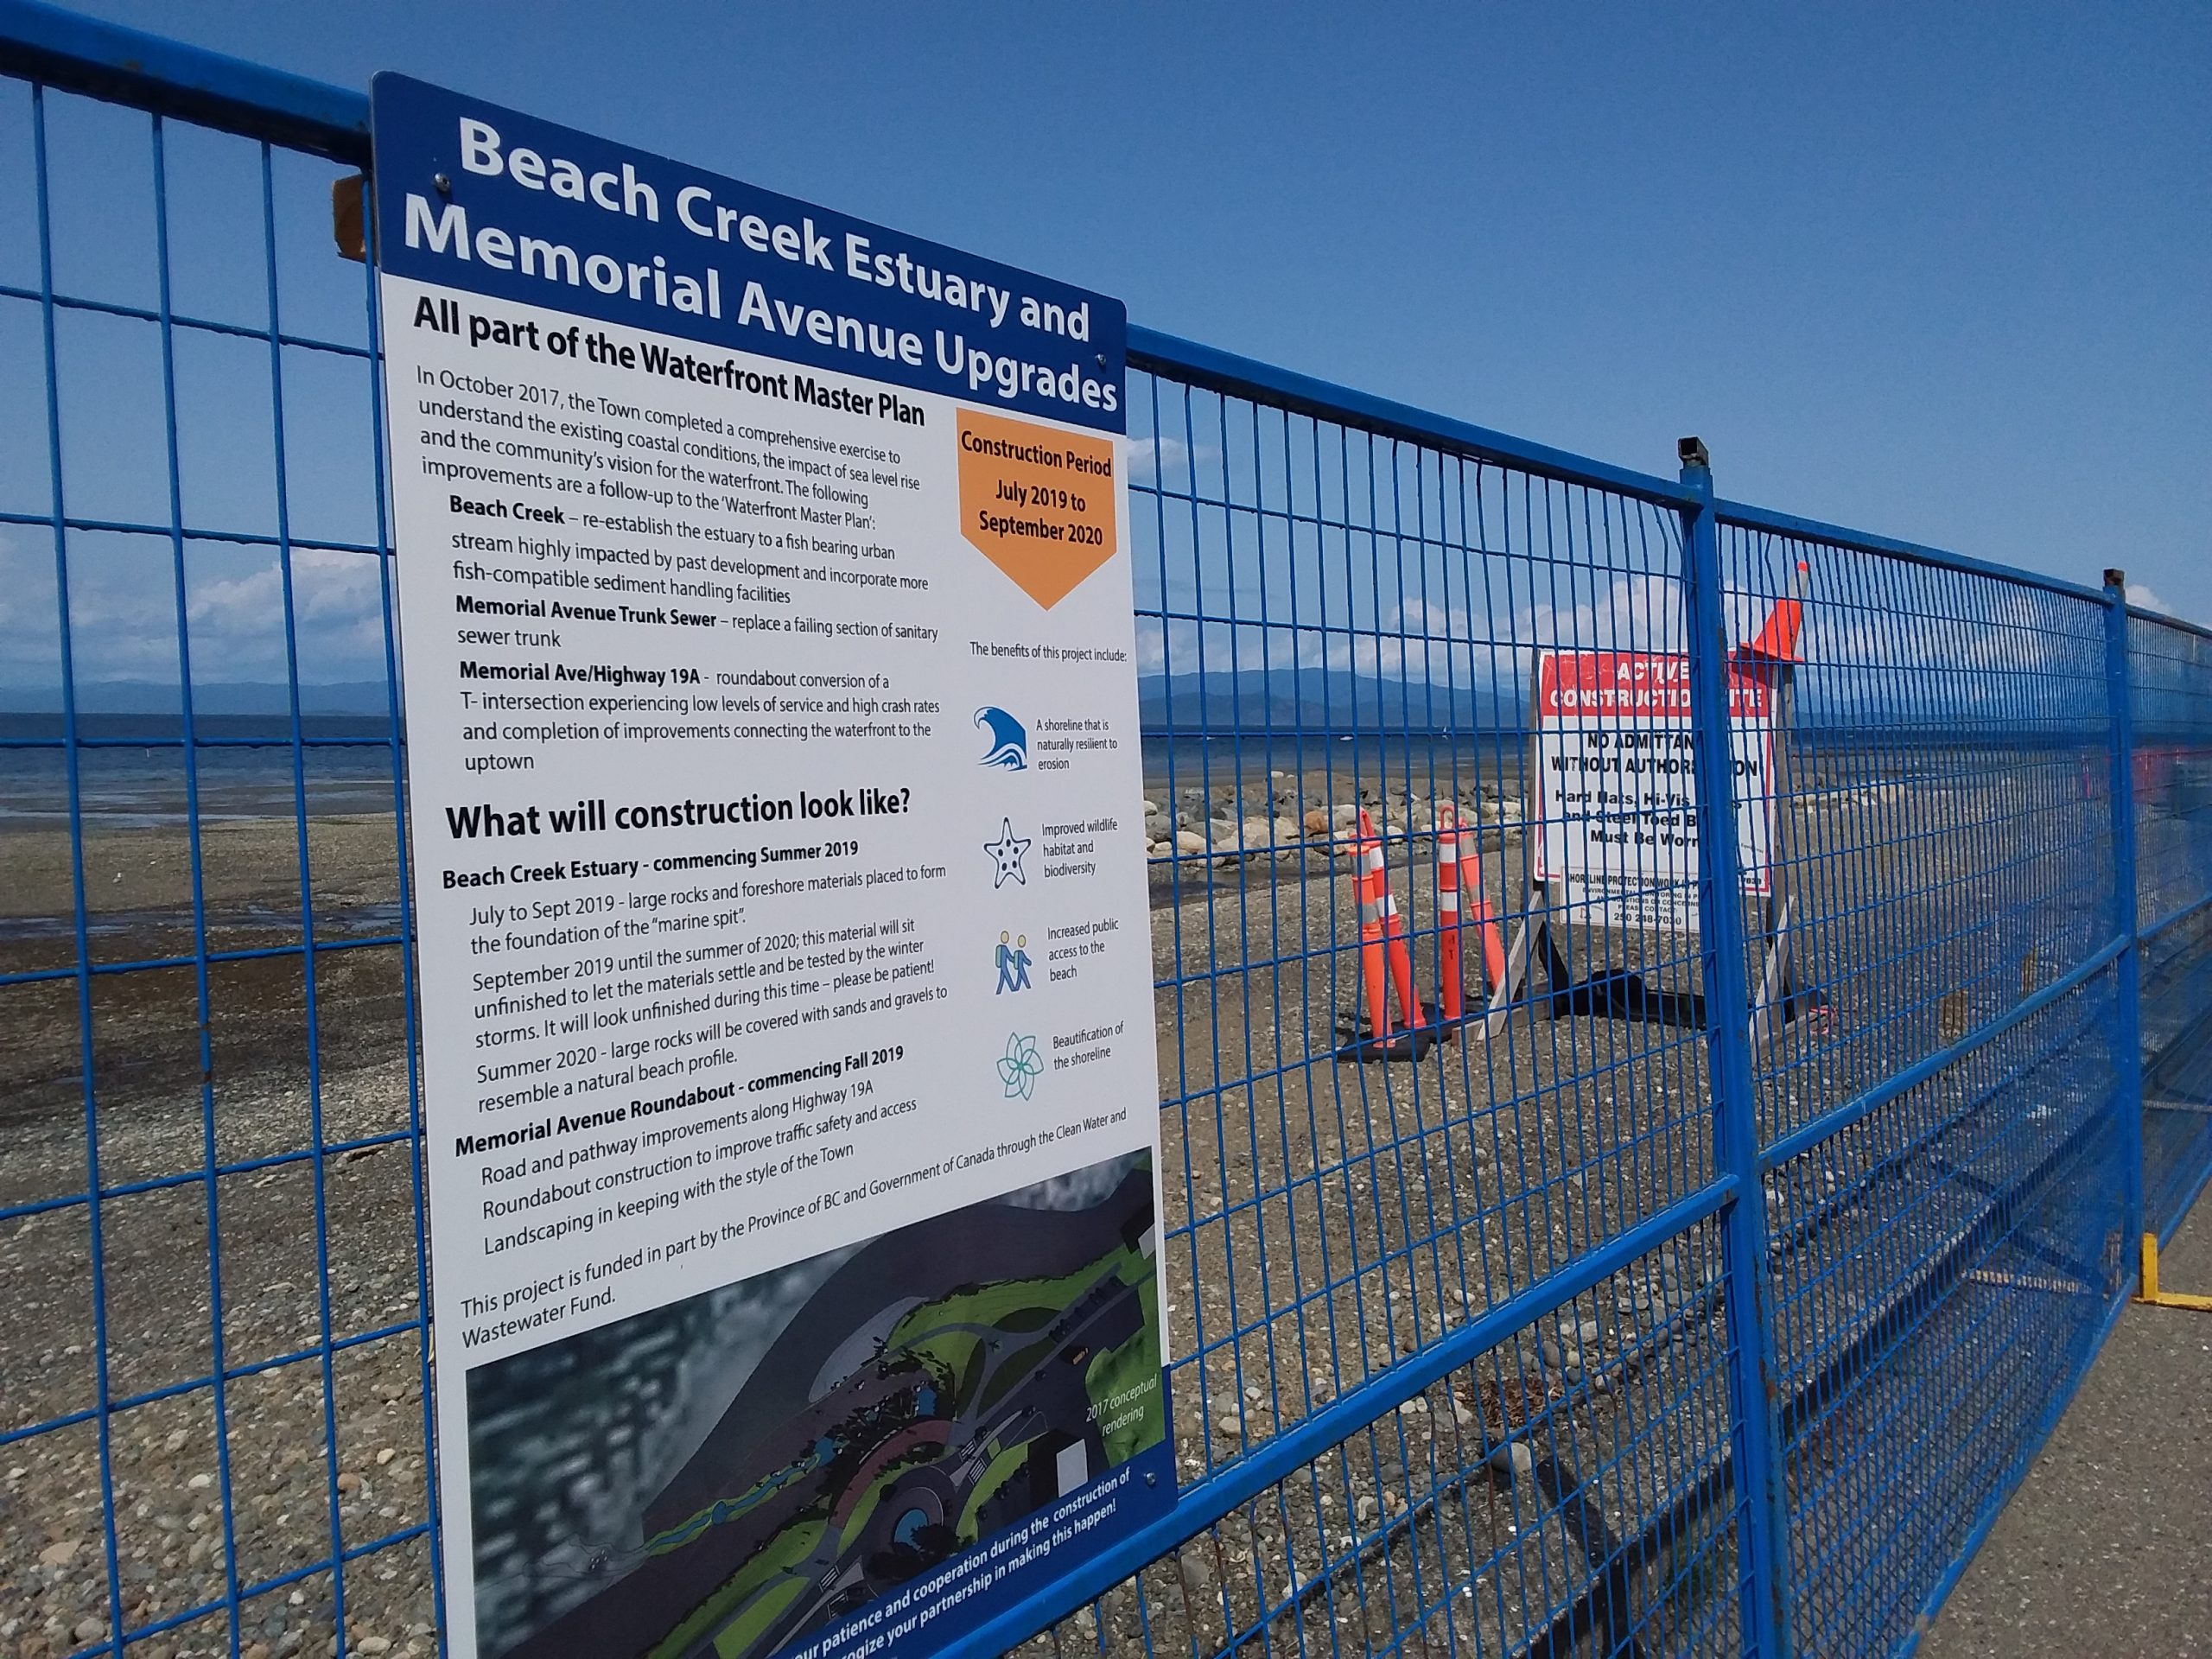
{"points": [[1615, 791]]}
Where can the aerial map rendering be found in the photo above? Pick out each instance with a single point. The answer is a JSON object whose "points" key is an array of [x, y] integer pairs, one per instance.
{"points": [[741, 1471]]}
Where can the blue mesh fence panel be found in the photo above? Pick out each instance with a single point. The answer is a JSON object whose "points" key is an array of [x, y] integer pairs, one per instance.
{"points": [[1467, 1345], [1335, 621], [2170, 669], [1956, 1252], [1338, 623], [1942, 1158], [214, 1372], [1500, 1508]]}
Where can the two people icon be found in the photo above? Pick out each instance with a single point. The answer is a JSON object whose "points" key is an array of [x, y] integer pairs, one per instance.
{"points": [[1013, 964]]}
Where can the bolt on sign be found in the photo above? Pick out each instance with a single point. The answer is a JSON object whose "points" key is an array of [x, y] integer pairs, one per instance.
{"points": [[789, 1072]]}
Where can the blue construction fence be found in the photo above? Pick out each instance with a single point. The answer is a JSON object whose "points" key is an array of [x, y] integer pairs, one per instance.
{"points": [[1709, 1296]]}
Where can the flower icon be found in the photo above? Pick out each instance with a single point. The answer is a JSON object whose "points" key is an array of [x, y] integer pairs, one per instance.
{"points": [[1020, 1067]]}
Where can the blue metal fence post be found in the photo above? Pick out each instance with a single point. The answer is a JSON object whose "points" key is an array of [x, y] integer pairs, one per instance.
{"points": [[2127, 968], [1763, 1559]]}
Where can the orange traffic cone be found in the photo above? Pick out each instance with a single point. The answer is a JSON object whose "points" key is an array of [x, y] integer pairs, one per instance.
{"points": [[1448, 990], [1457, 850], [1493, 941], [1371, 892], [1394, 931], [1385, 963]]}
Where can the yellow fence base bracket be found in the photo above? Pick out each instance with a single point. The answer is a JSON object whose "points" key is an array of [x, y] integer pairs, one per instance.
{"points": [[2150, 1292]]}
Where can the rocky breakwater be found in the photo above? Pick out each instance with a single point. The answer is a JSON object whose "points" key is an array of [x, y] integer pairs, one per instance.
{"points": [[1294, 816]]}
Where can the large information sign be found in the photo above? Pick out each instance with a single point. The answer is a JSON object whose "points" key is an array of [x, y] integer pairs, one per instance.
{"points": [[1615, 791], [790, 1076]]}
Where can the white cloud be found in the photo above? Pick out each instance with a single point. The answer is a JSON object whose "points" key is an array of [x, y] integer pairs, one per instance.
{"points": [[2145, 599], [337, 608], [123, 612], [1150, 457]]}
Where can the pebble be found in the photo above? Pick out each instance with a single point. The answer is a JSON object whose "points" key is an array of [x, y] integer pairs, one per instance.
{"points": [[59, 1554]]}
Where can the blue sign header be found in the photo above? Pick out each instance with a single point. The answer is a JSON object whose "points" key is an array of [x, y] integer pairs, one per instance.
{"points": [[472, 196]]}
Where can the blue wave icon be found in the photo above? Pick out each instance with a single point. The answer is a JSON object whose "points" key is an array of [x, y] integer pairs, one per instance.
{"points": [[1010, 749]]}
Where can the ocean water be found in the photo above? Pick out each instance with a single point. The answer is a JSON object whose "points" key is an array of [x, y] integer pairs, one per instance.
{"points": [[131, 770], [1337, 764], [346, 766]]}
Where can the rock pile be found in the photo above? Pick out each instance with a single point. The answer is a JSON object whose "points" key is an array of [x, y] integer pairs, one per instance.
{"points": [[1296, 816]]}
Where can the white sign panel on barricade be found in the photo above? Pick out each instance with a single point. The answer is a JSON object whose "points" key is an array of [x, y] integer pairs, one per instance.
{"points": [[789, 1083], [1616, 789]]}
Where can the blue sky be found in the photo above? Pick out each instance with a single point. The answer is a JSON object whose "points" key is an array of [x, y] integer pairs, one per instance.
{"points": [[1943, 273]]}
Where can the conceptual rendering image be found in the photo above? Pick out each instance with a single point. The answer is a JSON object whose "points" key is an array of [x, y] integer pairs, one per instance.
{"points": [[727, 1475]]}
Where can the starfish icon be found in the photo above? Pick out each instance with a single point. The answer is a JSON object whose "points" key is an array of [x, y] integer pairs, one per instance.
{"points": [[1008, 850]]}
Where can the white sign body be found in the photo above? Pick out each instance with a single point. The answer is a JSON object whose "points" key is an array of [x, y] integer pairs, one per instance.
{"points": [[790, 1079], [1617, 791]]}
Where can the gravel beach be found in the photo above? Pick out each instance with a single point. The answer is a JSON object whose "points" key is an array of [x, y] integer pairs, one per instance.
{"points": [[1324, 1222]]}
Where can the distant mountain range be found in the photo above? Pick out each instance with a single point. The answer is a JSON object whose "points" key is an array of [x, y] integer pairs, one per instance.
{"points": [[1254, 699], [1316, 700]]}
